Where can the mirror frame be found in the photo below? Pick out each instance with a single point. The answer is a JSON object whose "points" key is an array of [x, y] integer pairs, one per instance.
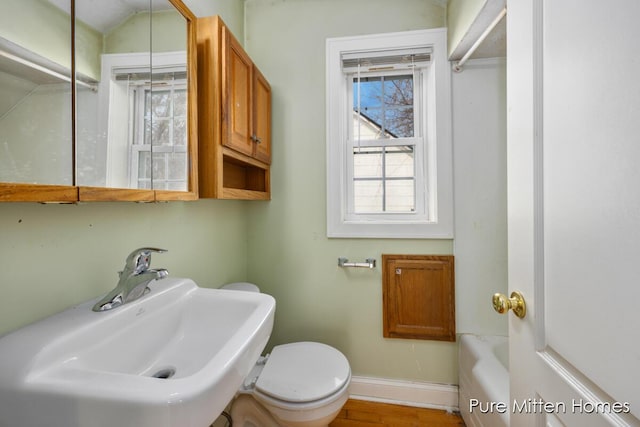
{"points": [[21, 192]]}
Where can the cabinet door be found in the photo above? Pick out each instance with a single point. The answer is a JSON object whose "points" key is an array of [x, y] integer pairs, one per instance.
{"points": [[418, 297], [236, 96], [261, 117]]}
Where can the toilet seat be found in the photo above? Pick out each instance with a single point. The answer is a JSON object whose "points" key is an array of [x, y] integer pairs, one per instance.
{"points": [[301, 375], [303, 372], [302, 384]]}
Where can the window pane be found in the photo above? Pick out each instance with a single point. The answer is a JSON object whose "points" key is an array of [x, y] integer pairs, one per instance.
{"points": [[400, 195], [180, 103], [399, 122], [161, 103], [144, 169], [398, 90], [368, 196], [384, 179], [159, 166], [399, 162], [177, 166], [161, 131], [144, 164], [377, 196], [383, 107], [180, 131], [147, 131], [367, 126], [370, 92], [367, 162]]}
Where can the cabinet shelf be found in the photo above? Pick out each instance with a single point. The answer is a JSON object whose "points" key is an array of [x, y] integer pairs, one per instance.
{"points": [[244, 175]]}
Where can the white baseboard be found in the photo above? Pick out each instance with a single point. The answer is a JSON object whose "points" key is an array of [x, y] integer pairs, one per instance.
{"points": [[409, 393]]}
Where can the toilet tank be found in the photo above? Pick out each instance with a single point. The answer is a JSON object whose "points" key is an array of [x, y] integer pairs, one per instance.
{"points": [[241, 286]]}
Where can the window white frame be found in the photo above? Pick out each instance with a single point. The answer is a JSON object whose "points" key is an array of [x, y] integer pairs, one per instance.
{"points": [[436, 184]]}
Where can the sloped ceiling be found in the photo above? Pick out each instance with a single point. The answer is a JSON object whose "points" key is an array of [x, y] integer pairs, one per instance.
{"points": [[103, 15]]}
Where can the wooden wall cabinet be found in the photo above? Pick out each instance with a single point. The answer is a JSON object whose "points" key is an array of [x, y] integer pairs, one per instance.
{"points": [[234, 117], [418, 297]]}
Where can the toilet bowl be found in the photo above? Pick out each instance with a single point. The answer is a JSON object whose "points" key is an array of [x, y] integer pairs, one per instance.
{"points": [[302, 384]]}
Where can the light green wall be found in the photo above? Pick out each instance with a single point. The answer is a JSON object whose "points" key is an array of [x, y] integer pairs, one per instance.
{"points": [[231, 11], [88, 50], [45, 30], [35, 137], [39, 27], [132, 35], [460, 16], [291, 257], [169, 32], [55, 256]]}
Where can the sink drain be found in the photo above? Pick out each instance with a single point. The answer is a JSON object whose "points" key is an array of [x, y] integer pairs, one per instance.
{"points": [[164, 374]]}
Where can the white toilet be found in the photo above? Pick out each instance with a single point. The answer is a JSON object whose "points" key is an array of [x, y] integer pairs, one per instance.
{"points": [[303, 384]]}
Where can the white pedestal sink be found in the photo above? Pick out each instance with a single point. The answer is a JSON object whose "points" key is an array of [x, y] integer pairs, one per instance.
{"points": [[173, 358]]}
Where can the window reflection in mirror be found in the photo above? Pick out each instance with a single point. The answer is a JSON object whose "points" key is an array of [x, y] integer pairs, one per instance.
{"points": [[167, 106], [35, 92], [132, 110]]}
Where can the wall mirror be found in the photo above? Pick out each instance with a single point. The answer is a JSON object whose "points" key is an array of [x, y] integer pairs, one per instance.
{"points": [[35, 95], [129, 133]]}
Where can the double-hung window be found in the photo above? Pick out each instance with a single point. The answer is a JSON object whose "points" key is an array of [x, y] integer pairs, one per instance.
{"points": [[159, 133], [388, 136], [146, 120]]}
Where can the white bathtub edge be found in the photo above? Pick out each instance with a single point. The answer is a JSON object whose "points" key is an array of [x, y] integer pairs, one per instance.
{"points": [[408, 393], [482, 376]]}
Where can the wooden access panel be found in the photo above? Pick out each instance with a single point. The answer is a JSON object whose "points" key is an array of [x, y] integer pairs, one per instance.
{"points": [[418, 297]]}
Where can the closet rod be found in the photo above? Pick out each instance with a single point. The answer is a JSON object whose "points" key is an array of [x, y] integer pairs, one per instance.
{"points": [[458, 66], [44, 69]]}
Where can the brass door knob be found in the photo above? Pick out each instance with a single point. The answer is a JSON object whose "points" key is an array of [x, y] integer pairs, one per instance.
{"points": [[502, 304]]}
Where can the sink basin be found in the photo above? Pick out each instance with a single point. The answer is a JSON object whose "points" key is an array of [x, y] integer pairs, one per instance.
{"points": [[174, 357]]}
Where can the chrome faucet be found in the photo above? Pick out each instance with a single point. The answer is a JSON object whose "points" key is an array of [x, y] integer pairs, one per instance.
{"points": [[133, 279]]}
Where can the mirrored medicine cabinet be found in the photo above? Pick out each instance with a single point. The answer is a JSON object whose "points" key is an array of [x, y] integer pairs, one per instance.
{"points": [[97, 101]]}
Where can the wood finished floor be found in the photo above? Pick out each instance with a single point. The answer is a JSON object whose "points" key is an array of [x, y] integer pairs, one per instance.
{"points": [[360, 413]]}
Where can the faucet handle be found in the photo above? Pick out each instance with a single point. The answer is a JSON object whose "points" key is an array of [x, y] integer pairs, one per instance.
{"points": [[139, 260]]}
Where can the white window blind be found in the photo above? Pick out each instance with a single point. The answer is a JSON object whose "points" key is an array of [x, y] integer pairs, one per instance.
{"points": [[390, 59]]}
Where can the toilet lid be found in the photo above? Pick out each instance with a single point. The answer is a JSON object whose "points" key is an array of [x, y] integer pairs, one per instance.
{"points": [[303, 372]]}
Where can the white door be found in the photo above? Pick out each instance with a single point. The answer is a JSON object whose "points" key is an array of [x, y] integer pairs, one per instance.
{"points": [[573, 102]]}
